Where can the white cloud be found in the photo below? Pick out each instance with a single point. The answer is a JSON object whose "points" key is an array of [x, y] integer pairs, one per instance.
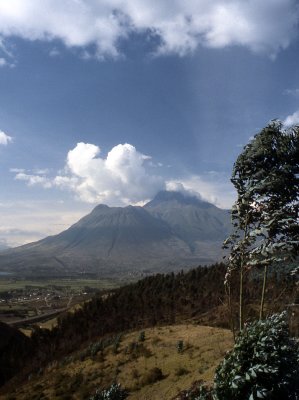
{"points": [[16, 170], [124, 176], [292, 119], [6, 56], [262, 26], [3, 62], [54, 52], [293, 92], [4, 139], [121, 178], [33, 180], [214, 188]]}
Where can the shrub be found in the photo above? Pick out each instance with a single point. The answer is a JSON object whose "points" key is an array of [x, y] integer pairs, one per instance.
{"points": [[180, 346], [135, 350], [196, 392], [141, 336], [153, 375], [180, 371], [262, 365], [114, 392]]}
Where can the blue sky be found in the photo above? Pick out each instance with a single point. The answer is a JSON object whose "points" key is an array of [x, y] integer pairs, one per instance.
{"points": [[110, 101]]}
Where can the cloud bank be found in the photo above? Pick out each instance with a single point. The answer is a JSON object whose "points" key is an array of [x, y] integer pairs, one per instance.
{"points": [[180, 26]]}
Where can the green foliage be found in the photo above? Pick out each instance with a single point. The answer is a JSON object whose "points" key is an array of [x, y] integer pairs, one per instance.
{"points": [[114, 392], [264, 364], [265, 214], [196, 392]]}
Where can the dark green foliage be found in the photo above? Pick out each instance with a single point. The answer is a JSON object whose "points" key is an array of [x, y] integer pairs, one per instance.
{"points": [[114, 392], [266, 178], [196, 392], [265, 214], [264, 364]]}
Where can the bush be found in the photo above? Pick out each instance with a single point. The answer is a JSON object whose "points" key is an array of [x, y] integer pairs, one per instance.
{"points": [[180, 346], [180, 371], [264, 364], [141, 336], [153, 375], [114, 392], [196, 392]]}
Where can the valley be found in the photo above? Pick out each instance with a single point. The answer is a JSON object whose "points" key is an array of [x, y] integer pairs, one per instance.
{"points": [[26, 302]]}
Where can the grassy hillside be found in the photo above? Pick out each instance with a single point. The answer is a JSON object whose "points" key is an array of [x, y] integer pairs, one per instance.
{"points": [[196, 297], [150, 369]]}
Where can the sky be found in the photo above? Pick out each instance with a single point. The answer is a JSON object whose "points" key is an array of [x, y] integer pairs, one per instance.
{"points": [[111, 101]]}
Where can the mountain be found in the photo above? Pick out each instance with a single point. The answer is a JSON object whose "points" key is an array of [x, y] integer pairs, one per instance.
{"points": [[3, 246], [191, 219], [171, 231]]}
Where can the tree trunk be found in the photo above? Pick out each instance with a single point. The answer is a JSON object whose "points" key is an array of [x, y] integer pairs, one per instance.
{"points": [[241, 300], [263, 292], [232, 322]]}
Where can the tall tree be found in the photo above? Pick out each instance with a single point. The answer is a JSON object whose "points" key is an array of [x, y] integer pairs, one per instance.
{"points": [[265, 214]]}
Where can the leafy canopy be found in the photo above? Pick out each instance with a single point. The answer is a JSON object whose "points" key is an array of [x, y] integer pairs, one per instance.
{"points": [[264, 364], [265, 214]]}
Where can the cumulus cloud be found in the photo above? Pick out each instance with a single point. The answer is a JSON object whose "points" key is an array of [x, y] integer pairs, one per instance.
{"points": [[292, 119], [181, 26], [122, 177], [4, 139]]}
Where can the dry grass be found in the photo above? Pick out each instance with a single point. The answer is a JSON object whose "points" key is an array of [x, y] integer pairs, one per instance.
{"points": [[136, 366]]}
